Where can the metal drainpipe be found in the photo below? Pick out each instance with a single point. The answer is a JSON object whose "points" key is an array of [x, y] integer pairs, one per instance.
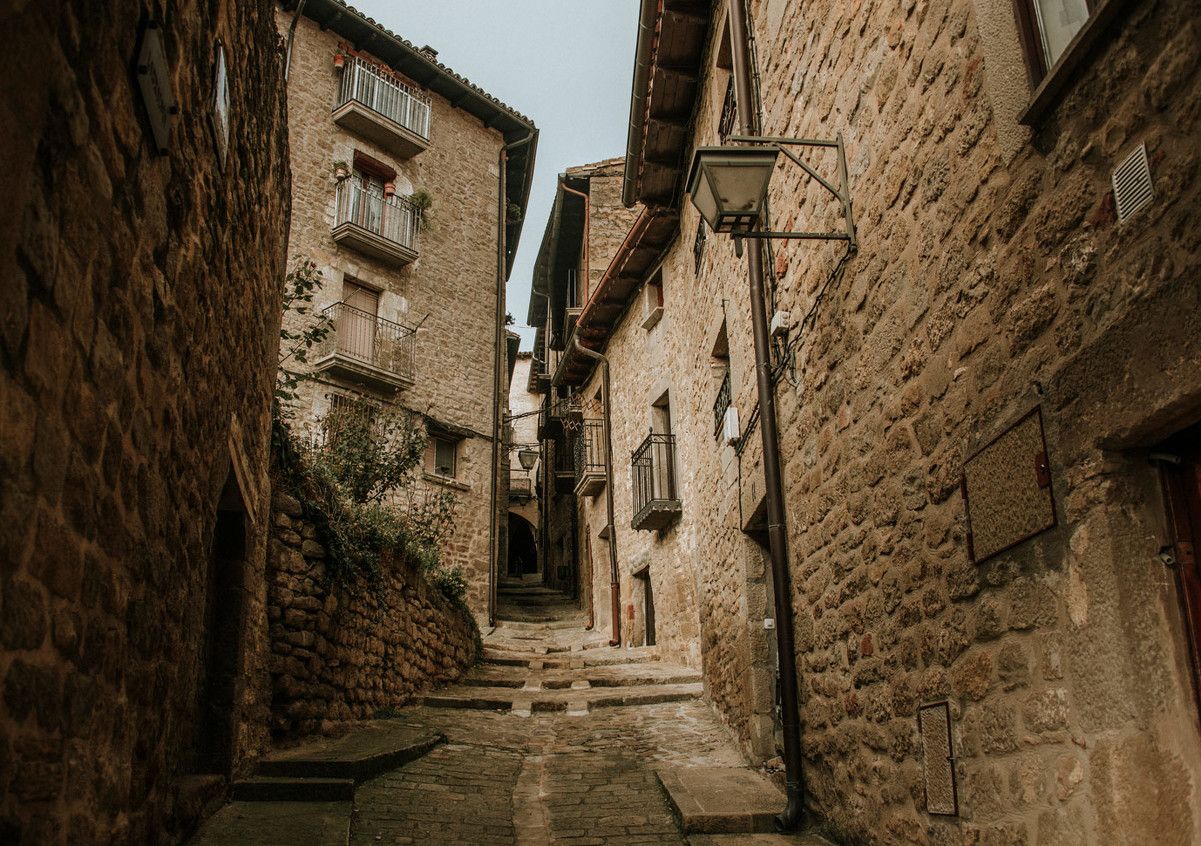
{"points": [[502, 160], [777, 533], [579, 298], [614, 590], [291, 35]]}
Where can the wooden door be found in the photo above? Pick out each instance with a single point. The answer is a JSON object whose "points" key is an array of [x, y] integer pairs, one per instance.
{"points": [[356, 322], [1182, 491]]}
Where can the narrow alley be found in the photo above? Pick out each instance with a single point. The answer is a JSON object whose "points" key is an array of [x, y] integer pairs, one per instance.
{"points": [[555, 738], [600, 423]]}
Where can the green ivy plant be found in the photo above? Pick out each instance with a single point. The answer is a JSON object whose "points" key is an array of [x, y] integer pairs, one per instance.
{"points": [[300, 287]]}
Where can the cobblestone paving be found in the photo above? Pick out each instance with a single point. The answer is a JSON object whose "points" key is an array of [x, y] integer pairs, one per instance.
{"points": [[544, 779]]}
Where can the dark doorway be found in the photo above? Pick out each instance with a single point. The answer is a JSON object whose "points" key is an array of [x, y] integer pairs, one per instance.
{"points": [[222, 651], [1180, 460], [648, 604], [523, 550]]}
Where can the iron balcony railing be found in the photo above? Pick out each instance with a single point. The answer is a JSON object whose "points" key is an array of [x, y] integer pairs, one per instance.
{"points": [[729, 113], [365, 338], [590, 453], [721, 404], [392, 218], [364, 83], [653, 471]]}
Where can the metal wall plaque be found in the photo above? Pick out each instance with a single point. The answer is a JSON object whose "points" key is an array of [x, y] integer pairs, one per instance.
{"points": [[1007, 489], [938, 759], [154, 81]]}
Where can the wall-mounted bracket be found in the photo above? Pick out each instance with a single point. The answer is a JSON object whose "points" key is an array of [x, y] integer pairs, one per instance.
{"points": [[842, 193]]}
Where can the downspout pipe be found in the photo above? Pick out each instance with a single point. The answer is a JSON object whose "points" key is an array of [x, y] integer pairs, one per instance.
{"points": [[777, 533], [498, 351], [291, 36], [614, 588]]}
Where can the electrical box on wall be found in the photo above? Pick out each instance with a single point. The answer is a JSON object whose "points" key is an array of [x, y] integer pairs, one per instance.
{"points": [[781, 322]]}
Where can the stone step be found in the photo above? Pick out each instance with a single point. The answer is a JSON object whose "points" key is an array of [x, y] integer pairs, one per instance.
{"points": [[277, 789], [561, 661], [362, 754], [580, 700], [721, 800], [758, 840], [277, 824]]}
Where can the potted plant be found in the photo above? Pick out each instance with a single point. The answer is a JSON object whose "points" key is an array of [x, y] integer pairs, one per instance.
{"points": [[341, 170], [339, 61], [421, 201], [389, 189]]}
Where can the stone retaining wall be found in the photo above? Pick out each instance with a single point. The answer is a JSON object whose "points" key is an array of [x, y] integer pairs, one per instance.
{"points": [[343, 653]]}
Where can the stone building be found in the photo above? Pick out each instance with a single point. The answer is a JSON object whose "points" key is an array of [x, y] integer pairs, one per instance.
{"points": [[586, 227], [524, 502], [987, 411], [147, 189], [409, 186]]}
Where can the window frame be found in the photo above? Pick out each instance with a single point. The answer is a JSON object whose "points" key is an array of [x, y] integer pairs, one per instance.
{"points": [[1050, 84], [453, 443]]}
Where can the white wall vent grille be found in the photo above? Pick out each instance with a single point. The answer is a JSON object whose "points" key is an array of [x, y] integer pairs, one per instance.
{"points": [[1132, 189]]}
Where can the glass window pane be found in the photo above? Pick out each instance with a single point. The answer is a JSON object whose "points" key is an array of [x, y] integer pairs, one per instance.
{"points": [[444, 457], [1058, 23]]}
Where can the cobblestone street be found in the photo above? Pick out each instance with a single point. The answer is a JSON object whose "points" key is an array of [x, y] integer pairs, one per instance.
{"points": [[547, 778], [578, 775]]}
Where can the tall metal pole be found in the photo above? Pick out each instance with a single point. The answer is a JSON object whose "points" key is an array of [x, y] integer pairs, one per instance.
{"points": [[777, 534]]}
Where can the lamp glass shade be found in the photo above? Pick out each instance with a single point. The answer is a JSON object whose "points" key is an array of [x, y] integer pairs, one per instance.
{"points": [[728, 185], [528, 458]]}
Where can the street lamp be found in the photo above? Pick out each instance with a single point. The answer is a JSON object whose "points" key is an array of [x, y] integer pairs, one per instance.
{"points": [[528, 458], [728, 185]]}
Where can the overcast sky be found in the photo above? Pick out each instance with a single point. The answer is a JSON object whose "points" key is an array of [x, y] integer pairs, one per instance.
{"points": [[567, 64]]}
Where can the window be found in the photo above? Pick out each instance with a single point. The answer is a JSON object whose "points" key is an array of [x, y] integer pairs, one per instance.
{"points": [[1048, 27], [720, 365], [443, 456]]}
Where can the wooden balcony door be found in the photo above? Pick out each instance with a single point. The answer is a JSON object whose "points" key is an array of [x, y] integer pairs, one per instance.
{"points": [[1182, 489], [356, 324], [662, 451]]}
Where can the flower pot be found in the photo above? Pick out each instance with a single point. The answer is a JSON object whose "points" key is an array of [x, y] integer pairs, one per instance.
{"points": [[389, 189], [339, 61], [341, 173]]}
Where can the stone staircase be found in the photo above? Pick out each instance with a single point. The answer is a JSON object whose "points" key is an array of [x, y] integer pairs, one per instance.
{"points": [[540, 658]]}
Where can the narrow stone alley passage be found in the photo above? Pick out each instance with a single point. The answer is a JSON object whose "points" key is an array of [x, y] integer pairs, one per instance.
{"points": [[555, 738]]}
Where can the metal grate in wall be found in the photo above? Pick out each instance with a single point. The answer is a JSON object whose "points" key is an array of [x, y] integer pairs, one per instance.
{"points": [[1132, 188]]}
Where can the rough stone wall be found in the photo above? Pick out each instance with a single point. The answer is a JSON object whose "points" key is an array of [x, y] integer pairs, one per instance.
{"points": [[991, 277], [141, 313], [345, 653], [450, 290]]}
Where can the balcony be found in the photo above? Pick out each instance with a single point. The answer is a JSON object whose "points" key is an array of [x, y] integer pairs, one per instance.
{"points": [[382, 109], [653, 474], [590, 458], [382, 227], [564, 464], [366, 350], [521, 487]]}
